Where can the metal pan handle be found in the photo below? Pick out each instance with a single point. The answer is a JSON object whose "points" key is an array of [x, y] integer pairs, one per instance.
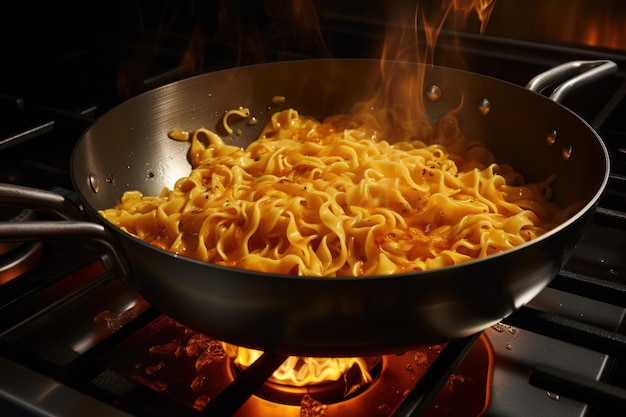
{"points": [[575, 73], [25, 197], [71, 223]]}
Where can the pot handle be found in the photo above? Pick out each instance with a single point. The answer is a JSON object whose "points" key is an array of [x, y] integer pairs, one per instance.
{"points": [[70, 225], [588, 72]]}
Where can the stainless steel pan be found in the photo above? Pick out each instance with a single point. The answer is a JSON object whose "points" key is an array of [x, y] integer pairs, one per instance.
{"points": [[128, 148]]}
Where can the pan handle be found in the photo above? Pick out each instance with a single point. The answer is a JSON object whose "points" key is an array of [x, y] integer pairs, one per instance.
{"points": [[13, 195], [70, 224], [581, 73]]}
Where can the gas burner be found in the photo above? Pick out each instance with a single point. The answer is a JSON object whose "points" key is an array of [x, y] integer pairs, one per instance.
{"points": [[193, 369], [17, 258], [348, 386], [327, 380]]}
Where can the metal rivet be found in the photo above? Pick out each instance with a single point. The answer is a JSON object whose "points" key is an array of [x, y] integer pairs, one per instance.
{"points": [[434, 93], [566, 152], [94, 182], [551, 136], [484, 106]]}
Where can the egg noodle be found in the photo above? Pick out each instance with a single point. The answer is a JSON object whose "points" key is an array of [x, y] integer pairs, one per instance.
{"points": [[343, 197]]}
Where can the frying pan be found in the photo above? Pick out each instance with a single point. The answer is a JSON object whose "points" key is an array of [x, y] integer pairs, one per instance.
{"points": [[128, 148]]}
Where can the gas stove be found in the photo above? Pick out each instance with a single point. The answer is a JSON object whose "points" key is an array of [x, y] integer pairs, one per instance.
{"points": [[76, 339]]}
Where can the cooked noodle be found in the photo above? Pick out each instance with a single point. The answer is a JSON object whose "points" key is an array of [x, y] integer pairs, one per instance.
{"points": [[346, 197]]}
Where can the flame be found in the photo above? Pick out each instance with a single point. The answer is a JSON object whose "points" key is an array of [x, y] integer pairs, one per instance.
{"points": [[402, 41], [303, 371], [412, 36]]}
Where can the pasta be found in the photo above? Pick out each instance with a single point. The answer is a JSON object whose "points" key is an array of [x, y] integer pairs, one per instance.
{"points": [[348, 196]]}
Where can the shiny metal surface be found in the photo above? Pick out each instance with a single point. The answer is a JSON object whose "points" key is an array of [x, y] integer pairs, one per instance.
{"points": [[31, 394], [592, 71]]}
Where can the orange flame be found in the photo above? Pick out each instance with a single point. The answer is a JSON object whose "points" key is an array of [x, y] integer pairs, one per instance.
{"points": [[302, 371], [412, 37], [402, 38]]}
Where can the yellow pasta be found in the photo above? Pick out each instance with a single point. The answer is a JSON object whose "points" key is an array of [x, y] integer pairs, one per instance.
{"points": [[348, 196]]}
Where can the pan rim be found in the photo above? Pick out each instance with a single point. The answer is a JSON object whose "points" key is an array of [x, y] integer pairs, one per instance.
{"points": [[589, 206]]}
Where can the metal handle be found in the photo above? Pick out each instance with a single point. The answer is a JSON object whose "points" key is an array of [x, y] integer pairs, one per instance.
{"points": [[591, 72], [69, 226], [13, 195], [34, 230]]}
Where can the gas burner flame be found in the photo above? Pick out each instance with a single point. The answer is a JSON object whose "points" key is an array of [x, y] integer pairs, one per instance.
{"points": [[307, 371]]}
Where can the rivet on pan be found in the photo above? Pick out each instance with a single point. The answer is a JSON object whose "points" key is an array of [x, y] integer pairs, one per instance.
{"points": [[551, 136], [484, 106], [94, 182], [434, 93], [566, 152]]}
